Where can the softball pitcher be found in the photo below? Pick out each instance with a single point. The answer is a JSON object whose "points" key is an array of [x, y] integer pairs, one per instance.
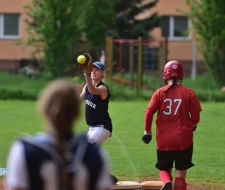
{"points": [[178, 113], [96, 96]]}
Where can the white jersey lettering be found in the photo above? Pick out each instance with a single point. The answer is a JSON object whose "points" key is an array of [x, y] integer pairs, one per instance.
{"points": [[91, 104]]}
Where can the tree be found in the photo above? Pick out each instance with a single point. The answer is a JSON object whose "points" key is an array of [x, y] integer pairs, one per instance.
{"points": [[52, 29], [208, 23], [127, 25], [55, 27], [96, 19]]}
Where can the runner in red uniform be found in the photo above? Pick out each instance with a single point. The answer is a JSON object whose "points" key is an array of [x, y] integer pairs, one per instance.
{"points": [[178, 113]]}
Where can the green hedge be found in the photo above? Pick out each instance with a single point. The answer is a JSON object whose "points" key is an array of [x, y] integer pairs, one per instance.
{"points": [[20, 87], [211, 96], [22, 94], [204, 96]]}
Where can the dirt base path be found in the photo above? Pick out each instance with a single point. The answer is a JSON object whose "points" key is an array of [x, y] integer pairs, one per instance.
{"points": [[189, 186], [1, 183]]}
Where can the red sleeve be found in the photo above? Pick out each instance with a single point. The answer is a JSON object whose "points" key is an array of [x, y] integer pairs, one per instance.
{"points": [[150, 111], [148, 120], [195, 118], [195, 107]]}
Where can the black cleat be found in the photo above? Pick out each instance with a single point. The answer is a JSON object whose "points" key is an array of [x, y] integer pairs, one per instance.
{"points": [[114, 179], [167, 186]]}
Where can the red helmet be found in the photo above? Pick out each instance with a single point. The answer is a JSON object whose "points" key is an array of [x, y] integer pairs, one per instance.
{"points": [[173, 69]]}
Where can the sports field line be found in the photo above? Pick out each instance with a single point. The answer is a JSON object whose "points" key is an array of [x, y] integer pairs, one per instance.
{"points": [[126, 155]]}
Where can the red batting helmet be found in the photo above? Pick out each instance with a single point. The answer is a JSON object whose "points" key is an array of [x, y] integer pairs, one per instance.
{"points": [[173, 69]]}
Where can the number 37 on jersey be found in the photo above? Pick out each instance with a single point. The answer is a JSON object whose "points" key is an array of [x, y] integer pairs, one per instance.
{"points": [[171, 106]]}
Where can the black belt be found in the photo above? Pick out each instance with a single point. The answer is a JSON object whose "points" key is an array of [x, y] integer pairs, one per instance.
{"points": [[100, 126]]}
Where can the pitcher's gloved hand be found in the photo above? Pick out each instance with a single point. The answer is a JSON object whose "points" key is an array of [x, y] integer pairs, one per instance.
{"points": [[147, 137], [87, 66]]}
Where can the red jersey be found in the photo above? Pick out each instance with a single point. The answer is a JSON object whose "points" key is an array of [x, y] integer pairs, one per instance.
{"points": [[174, 122]]}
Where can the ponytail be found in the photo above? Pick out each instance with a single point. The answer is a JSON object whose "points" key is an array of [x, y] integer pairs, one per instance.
{"points": [[172, 85], [60, 105]]}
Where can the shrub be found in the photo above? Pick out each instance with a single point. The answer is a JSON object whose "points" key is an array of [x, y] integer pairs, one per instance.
{"points": [[20, 87]]}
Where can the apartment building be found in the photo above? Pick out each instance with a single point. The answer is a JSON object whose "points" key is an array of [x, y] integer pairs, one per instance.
{"points": [[175, 26], [12, 28], [180, 47]]}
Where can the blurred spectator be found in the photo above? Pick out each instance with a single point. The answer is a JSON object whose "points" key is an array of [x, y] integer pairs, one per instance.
{"points": [[57, 159]]}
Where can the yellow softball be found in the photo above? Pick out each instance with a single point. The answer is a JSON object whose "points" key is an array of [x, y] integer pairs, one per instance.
{"points": [[81, 59]]}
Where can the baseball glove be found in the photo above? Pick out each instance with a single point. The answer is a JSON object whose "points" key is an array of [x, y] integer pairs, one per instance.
{"points": [[87, 66]]}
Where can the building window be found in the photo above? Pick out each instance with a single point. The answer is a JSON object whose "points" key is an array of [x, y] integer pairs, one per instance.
{"points": [[175, 27], [9, 26]]}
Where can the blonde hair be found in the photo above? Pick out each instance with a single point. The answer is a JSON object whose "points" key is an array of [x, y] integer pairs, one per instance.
{"points": [[60, 105]]}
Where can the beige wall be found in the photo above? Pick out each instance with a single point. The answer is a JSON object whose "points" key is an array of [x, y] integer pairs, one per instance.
{"points": [[168, 7], [9, 51], [180, 50]]}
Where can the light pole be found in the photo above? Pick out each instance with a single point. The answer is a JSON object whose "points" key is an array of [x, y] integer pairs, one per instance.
{"points": [[194, 52]]}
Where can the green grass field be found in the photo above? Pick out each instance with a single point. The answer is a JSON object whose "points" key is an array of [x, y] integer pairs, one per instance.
{"points": [[129, 157]]}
